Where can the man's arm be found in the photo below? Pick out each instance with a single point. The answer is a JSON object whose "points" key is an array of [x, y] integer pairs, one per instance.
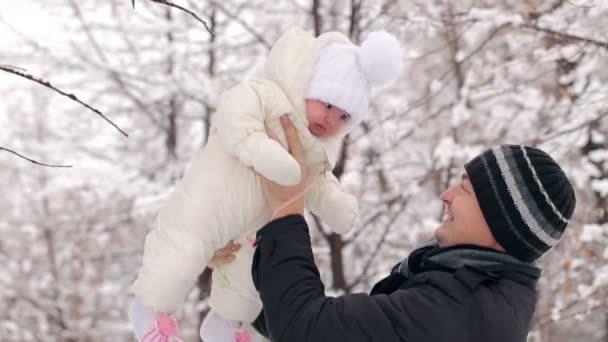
{"points": [[296, 308]]}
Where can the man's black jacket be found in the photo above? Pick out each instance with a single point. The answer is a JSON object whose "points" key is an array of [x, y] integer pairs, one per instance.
{"points": [[438, 304]]}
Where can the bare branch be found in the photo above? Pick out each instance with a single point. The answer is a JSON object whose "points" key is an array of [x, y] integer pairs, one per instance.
{"points": [[403, 203], [584, 124], [367, 222], [126, 89], [21, 72], [170, 4], [415, 104], [316, 17], [36, 303], [243, 23], [567, 36], [88, 32], [30, 160], [385, 9], [557, 5], [546, 318], [325, 233], [490, 36]]}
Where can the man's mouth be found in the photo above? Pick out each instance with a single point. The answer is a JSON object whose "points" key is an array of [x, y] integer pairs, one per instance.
{"points": [[448, 217]]}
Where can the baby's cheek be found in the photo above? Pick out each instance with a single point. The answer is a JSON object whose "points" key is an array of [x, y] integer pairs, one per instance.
{"points": [[338, 126]]}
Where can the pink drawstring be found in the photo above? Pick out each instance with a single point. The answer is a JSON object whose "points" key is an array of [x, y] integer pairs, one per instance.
{"points": [[165, 327], [252, 241], [242, 335], [294, 198]]}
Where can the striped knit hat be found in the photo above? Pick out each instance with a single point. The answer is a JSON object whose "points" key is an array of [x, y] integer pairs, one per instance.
{"points": [[525, 197]]}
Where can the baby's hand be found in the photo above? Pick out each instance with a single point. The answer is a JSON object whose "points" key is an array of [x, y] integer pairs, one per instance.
{"points": [[286, 200], [340, 212], [275, 163], [224, 255]]}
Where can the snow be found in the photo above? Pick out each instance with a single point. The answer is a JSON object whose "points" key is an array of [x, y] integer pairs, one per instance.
{"points": [[422, 127]]}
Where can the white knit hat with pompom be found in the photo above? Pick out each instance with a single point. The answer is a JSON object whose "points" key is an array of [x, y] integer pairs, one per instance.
{"points": [[345, 73]]}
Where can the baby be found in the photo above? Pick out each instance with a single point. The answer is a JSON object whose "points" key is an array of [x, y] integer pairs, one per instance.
{"points": [[324, 85]]}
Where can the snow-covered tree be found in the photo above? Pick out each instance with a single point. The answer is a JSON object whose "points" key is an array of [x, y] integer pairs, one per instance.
{"points": [[476, 73]]}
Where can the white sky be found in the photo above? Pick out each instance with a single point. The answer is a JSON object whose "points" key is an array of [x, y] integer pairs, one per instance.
{"points": [[31, 19]]}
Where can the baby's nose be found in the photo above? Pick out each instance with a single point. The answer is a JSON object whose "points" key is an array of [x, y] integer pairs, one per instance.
{"points": [[332, 118]]}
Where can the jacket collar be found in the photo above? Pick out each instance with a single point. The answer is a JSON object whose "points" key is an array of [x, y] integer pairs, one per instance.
{"points": [[470, 264]]}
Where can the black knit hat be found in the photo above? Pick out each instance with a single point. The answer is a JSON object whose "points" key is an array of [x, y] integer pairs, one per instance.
{"points": [[525, 197]]}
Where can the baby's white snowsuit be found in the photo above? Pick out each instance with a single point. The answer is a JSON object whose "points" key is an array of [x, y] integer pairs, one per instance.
{"points": [[220, 197]]}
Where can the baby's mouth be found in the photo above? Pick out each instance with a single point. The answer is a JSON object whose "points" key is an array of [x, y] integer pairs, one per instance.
{"points": [[316, 129]]}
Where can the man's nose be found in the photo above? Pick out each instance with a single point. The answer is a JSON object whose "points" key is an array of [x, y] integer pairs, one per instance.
{"points": [[445, 196]]}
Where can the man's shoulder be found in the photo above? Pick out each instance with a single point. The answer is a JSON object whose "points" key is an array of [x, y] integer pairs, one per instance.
{"points": [[467, 282], [462, 302], [441, 280]]}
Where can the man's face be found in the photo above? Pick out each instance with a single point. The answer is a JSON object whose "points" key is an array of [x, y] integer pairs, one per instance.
{"points": [[324, 120], [464, 222]]}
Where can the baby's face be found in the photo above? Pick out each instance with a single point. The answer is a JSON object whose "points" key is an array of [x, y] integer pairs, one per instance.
{"points": [[324, 120]]}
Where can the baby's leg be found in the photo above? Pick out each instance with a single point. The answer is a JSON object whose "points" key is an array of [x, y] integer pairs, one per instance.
{"points": [[233, 294], [216, 328], [142, 318]]}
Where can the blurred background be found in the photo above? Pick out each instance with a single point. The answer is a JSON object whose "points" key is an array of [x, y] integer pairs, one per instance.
{"points": [[476, 73]]}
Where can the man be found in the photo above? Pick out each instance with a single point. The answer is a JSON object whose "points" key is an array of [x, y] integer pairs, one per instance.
{"points": [[477, 283]]}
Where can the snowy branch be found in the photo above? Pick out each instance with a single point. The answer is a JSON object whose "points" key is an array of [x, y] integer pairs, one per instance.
{"points": [[566, 131], [368, 221], [170, 4], [567, 36], [319, 226], [236, 17], [29, 159], [547, 318], [380, 242], [22, 73]]}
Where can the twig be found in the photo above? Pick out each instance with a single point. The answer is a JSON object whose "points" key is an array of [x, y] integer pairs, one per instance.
{"points": [[567, 36], [566, 131], [22, 73], [547, 319], [170, 4], [238, 18], [367, 223], [30, 160], [379, 244], [325, 234]]}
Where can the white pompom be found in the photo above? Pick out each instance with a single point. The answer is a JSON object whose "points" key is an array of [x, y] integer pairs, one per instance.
{"points": [[380, 58]]}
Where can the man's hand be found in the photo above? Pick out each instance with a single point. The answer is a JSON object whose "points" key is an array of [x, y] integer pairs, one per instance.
{"points": [[224, 255], [277, 195]]}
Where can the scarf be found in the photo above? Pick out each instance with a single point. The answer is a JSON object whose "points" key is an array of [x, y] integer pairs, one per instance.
{"points": [[432, 257]]}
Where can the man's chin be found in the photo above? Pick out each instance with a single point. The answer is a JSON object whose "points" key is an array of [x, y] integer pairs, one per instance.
{"points": [[440, 235], [442, 227], [437, 234]]}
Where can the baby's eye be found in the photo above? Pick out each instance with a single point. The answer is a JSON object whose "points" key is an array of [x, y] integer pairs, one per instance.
{"points": [[345, 117], [328, 105]]}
